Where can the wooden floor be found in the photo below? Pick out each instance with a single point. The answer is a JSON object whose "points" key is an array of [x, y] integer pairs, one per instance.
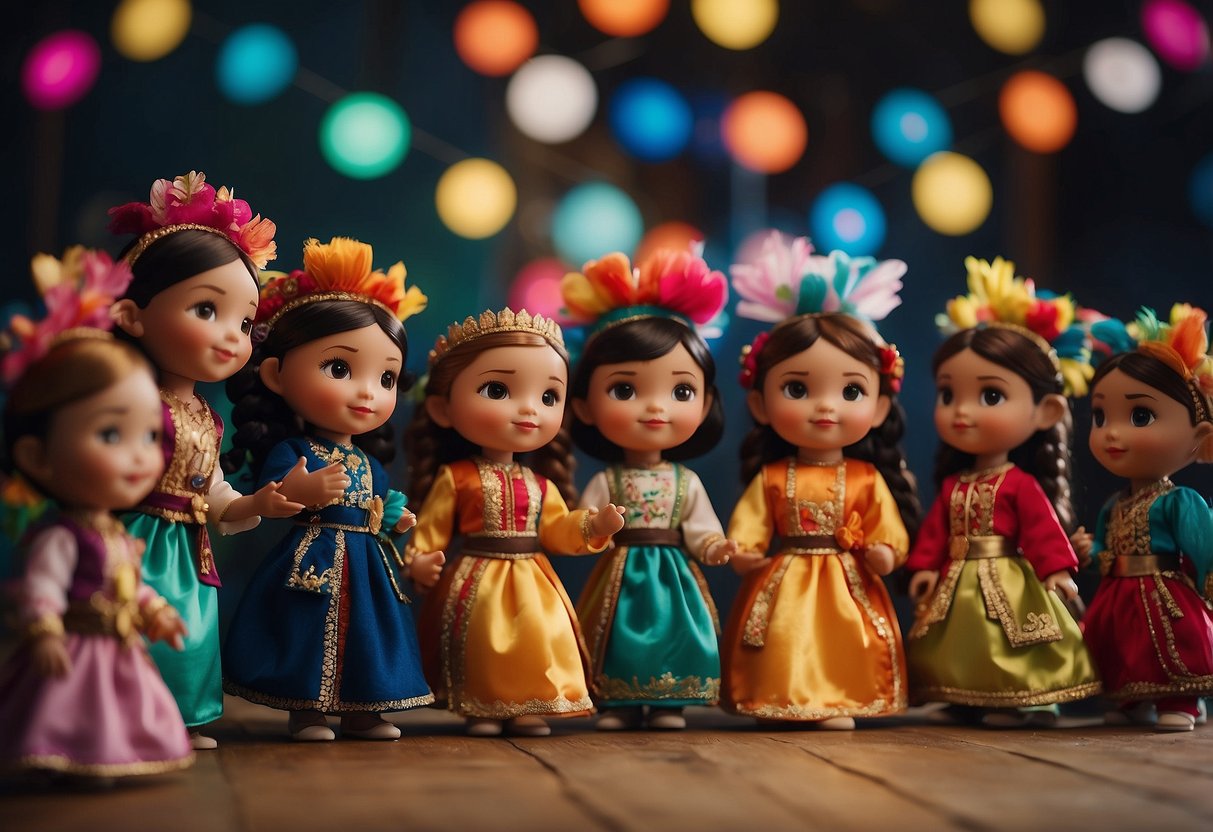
{"points": [[721, 774]]}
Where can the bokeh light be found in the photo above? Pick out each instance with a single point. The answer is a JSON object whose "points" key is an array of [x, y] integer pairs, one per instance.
{"points": [[365, 135], [475, 198], [908, 125], [1122, 74], [1200, 190], [650, 119], [1038, 111], [624, 18], [255, 63], [536, 288], [1177, 32], [951, 193], [60, 69], [593, 219], [736, 24], [495, 37], [1010, 26], [847, 217], [674, 234], [764, 132], [551, 99], [147, 30]]}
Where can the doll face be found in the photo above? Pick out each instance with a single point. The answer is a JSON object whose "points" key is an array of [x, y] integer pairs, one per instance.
{"points": [[983, 408], [508, 400], [200, 328], [647, 405], [102, 452], [1138, 432], [342, 384], [821, 399]]}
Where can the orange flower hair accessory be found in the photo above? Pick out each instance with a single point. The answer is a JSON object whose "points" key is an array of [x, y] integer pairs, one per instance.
{"points": [[1181, 343], [189, 203], [340, 269]]}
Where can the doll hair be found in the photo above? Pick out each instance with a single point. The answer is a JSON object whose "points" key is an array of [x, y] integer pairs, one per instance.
{"points": [[881, 446], [70, 372], [645, 339], [1150, 371], [1046, 454], [430, 445], [177, 257], [262, 418]]}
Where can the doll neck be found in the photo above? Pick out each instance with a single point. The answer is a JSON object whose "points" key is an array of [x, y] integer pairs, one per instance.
{"points": [[500, 457], [996, 459], [94, 518], [332, 436], [1137, 486], [819, 456], [641, 459], [180, 386]]}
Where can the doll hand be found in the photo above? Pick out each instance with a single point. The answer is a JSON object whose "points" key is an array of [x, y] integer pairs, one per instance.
{"points": [[166, 625], [1063, 584], [269, 501], [922, 585], [406, 522], [880, 558], [1082, 541], [606, 522], [744, 562], [48, 653], [720, 552], [425, 569], [315, 488]]}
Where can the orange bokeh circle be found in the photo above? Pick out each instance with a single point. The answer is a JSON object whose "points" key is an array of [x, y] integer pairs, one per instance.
{"points": [[624, 18], [1038, 111], [764, 132], [674, 234], [495, 37]]}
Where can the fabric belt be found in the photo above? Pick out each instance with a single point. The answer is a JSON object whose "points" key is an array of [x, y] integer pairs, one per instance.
{"points": [[502, 548], [810, 541], [647, 537], [980, 547], [1138, 566], [190, 511], [119, 620]]}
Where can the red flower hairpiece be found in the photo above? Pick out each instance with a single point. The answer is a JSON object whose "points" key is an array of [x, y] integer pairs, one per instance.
{"points": [[892, 366], [749, 359]]}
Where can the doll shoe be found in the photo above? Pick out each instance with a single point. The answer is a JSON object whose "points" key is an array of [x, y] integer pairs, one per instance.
{"points": [[667, 719], [527, 726], [200, 743], [309, 726], [1174, 721], [478, 727], [620, 719], [836, 723], [368, 727], [1143, 713]]}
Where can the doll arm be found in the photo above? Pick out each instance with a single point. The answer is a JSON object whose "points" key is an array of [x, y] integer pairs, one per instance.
{"points": [[396, 515], [931, 546], [50, 563], [1190, 517], [570, 532], [701, 529], [883, 527], [436, 520], [596, 492], [751, 527], [1041, 538]]}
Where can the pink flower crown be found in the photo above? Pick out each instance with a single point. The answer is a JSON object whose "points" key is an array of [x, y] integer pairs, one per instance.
{"points": [[78, 292], [188, 202], [669, 283]]}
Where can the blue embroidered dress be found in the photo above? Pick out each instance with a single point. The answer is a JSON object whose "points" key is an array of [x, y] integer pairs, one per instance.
{"points": [[325, 623]]}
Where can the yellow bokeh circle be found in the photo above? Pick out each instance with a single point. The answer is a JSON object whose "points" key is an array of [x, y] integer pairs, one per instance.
{"points": [[475, 198], [147, 30], [1011, 26], [736, 24], [951, 193]]}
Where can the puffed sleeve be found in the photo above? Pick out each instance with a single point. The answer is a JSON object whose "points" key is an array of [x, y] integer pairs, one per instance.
{"points": [[50, 561], [1041, 538], [882, 521], [436, 520], [597, 492], [393, 507], [566, 532], [752, 524], [931, 545], [281, 459], [1192, 522], [700, 526]]}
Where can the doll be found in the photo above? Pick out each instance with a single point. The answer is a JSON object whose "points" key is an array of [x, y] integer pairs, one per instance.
{"points": [[1149, 627], [81, 694], [324, 626], [644, 395], [993, 564], [499, 638], [812, 636], [190, 308]]}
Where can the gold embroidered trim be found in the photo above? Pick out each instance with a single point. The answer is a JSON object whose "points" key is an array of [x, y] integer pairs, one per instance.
{"points": [[1128, 530], [491, 484], [455, 637], [601, 628], [391, 576], [195, 451], [800, 713], [58, 762], [884, 631], [360, 494], [498, 709], [1010, 699], [1193, 686], [941, 600], [331, 707], [328, 664], [702, 583], [665, 687], [309, 580], [1038, 627], [754, 634]]}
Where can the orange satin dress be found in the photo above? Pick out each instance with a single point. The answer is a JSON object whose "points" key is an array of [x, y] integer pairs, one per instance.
{"points": [[499, 637], [812, 634]]}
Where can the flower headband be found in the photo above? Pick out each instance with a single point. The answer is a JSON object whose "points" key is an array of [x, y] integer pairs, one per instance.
{"points": [[340, 269], [786, 281], [669, 284], [1181, 343], [489, 323], [78, 292], [997, 298], [189, 203]]}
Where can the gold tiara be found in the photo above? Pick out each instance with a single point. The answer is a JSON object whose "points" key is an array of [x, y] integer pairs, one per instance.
{"points": [[489, 322]]}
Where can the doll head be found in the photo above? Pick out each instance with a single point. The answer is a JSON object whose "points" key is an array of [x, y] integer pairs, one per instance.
{"points": [[645, 382], [497, 387], [1151, 413], [330, 358], [194, 263]]}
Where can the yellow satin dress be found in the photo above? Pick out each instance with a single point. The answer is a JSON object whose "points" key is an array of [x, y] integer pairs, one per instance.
{"points": [[812, 634], [499, 637]]}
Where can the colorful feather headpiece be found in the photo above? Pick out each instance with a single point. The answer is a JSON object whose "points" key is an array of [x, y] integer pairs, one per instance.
{"points": [[340, 269], [489, 323], [670, 283], [1181, 343], [189, 203], [998, 298], [786, 280], [78, 292]]}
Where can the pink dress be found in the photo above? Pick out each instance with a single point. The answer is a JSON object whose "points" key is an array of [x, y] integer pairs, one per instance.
{"points": [[110, 715]]}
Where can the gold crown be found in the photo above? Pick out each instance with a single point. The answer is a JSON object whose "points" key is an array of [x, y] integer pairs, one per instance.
{"points": [[489, 322]]}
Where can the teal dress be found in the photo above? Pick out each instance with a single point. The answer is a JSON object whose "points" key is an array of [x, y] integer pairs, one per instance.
{"points": [[646, 611]]}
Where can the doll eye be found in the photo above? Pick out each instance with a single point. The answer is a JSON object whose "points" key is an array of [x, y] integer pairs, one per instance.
{"points": [[622, 391], [246, 326], [335, 368], [1141, 417], [388, 380], [853, 393], [550, 398], [991, 396], [684, 393], [110, 436], [795, 390], [204, 310], [944, 396], [494, 390], [152, 437], [1097, 417]]}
